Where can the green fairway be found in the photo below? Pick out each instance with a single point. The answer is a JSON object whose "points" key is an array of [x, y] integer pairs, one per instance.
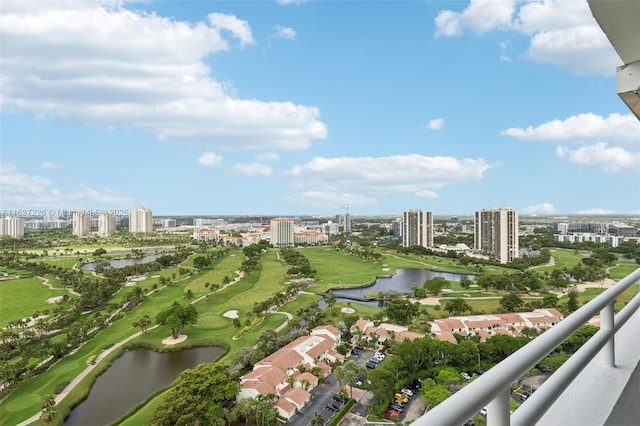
{"points": [[21, 297]]}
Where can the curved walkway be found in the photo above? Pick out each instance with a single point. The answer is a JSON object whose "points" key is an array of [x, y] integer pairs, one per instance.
{"points": [[76, 380], [45, 281]]}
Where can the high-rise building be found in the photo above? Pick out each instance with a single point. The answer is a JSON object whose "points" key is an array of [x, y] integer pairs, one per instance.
{"points": [[168, 223], [141, 221], [282, 232], [496, 233], [396, 228], [106, 225], [417, 228], [81, 223], [12, 226]]}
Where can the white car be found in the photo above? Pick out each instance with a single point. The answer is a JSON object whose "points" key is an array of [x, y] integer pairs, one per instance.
{"points": [[465, 375], [407, 392]]}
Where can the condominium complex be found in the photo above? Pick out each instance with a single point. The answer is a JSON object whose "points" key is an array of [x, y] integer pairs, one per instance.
{"points": [[12, 226], [496, 233], [141, 221], [417, 228], [282, 232], [81, 223], [106, 225]]}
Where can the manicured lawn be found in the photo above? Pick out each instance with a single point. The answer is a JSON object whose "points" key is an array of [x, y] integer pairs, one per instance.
{"points": [[622, 269], [563, 258], [334, 268], [22, 297]]}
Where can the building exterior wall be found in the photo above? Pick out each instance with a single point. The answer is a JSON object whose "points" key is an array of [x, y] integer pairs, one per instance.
{"points": [[417, 228], [141, 221], [81, 223], [496, 233], [12, 226], [106, 225], [282, 234]]}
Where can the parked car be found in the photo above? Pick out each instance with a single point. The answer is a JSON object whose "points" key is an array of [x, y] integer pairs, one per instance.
{"points": [[465, 375], [390, 412], [483, 411], [339, 398], [396, 406], [401, 398], [332, 406], [355, 352], [407, 392], [371, 365], [544, 369]]}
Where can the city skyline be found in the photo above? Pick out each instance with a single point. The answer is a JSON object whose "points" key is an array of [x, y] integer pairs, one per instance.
{"points": [[313, 108]]}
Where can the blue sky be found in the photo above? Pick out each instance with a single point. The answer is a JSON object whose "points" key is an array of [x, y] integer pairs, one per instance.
{"points": [[305, 107]]}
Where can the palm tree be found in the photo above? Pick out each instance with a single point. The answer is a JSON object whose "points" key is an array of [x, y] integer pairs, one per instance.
{"points": [[48, 415], [189, 295], [48, 401], [351, 372], [317, 419]]}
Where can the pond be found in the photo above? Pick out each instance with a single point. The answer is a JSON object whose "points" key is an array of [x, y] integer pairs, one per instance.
{"points": [[402, 281], [131, 379], [120, 263]]}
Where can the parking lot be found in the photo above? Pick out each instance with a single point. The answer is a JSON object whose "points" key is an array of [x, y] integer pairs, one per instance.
{"points": [[323, 395]]}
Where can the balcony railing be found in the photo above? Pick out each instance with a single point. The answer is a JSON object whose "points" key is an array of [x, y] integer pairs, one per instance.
{"points": [[493, 389]]}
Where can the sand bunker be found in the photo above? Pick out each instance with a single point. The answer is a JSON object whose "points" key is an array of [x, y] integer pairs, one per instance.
{"points": [[169, 341], [141, 278], [55, 299], [231, 314], [131, 284], [347, 310]]}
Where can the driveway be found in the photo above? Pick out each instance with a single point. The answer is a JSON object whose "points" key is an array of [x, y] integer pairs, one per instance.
{"points": [[321, 396]]}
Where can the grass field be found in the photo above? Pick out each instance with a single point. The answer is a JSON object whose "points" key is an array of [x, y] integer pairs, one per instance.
{"points": [[22, 297], [333, 269]]}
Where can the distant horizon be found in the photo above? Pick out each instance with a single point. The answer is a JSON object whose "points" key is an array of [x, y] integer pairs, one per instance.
{"points": [[313, 106]]}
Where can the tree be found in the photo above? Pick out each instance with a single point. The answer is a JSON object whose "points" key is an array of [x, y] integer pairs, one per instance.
{"points": [[435, 395], [188, 295], [572, 302], [99, 252], [176, 317], [196, 394], [331, 301], [550, 301], [435, 285], [402, 311], [48, 401], [457, 306], [143, 323], [512, 302], [317, 420], [48, 415], [351, 372]]}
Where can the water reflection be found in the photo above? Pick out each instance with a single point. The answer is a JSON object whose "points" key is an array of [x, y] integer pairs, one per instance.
{"points": [[131, 379]]}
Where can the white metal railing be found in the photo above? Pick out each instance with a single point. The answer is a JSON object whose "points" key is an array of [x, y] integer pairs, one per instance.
{"points": [[493, 388]]}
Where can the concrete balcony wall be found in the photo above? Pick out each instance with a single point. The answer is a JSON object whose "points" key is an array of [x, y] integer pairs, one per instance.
{"points": [[603, 395]]}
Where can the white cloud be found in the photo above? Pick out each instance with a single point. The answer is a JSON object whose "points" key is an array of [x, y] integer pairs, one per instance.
{"points": [[504, 46], [412, 173], [47, 165], [596, 211], [324, 200], [285, 32], [237, 27], [435, 124], [602, 156], [616, 128], [426, 194], [480, 16], [267, 157], [20, 190], [561, 32], [253, 169], [543, 208], [79, 62], [210, 159]]}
